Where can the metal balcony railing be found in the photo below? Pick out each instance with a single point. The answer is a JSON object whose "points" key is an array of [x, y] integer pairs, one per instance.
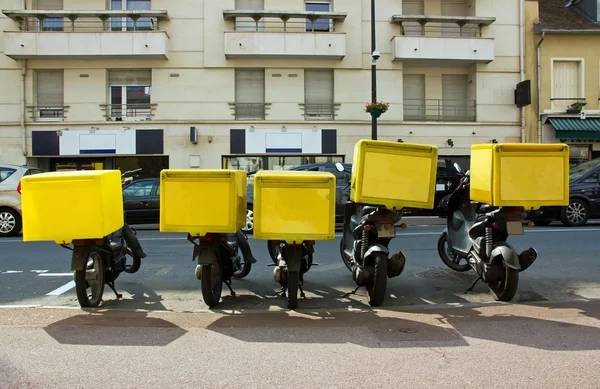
{"points": [[439, 110], [279, 21], [121, 112], [562, 104], [442, 26], [319, 111], [111, 25], [53, 112], [249, 111]]}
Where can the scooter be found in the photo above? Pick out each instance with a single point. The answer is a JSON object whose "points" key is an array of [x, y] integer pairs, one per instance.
{"points": [[291, 263], [476, 233], [99, 262], [368, 230], [221, 257]]}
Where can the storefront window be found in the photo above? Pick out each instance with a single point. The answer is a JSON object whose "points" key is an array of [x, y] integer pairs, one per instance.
{"points": [[578, 154]]}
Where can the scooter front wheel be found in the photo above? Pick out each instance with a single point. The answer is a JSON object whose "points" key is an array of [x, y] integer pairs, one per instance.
{"points": [[212, 284], [293, 281], [446, 256], [378, 289], [344, 256], [92, 277]]}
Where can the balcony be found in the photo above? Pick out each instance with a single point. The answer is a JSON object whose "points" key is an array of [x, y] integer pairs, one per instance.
{"points": [[439, 110], [86, 35], [442, 40], [49, 114], [285, 34], [563, 104], [128, 112]]}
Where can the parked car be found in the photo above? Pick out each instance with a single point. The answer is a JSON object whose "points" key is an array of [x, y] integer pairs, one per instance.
{"points": [[584, 202], [141, 201], [342, 179], [11, 222]]}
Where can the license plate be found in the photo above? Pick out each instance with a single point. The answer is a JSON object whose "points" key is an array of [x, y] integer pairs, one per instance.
{"points": [[514, 228], [386, 230]]}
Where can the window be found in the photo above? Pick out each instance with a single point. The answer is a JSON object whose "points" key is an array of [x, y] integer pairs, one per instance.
{"points": [[250, 94], [318, 94], [567, 84], [454, 97], [5, 173], [453, 8], [413, 95], [593, 179], [412, 7], [51, 24], [126, 24], [50, 94], [129, 94], [139, 189], [248, 24], [340, 177], [321, 25]]}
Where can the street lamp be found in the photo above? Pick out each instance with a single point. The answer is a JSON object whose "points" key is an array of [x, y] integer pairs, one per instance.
{"points": [[375, 55]]}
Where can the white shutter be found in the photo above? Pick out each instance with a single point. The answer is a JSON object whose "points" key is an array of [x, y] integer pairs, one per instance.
{"points": [[49, 5], [318, 93], [248, 24], [454, 96], [412, 7], [565, 80], [413, 95], [128, 77], [453, 8], [250, 93], [50, 88]]}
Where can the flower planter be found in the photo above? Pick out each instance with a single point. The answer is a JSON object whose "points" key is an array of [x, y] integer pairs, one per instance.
{"points": [[573, 110], [375, 114]]}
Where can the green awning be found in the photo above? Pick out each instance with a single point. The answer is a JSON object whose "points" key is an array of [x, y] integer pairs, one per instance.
{"points": [[575, 128]]}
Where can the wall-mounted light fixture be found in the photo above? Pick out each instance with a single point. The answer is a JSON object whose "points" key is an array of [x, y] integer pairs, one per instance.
{"points": [[93, 130], [450, 143], [283, 129]]}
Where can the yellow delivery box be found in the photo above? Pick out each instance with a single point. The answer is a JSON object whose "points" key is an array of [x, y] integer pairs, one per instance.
{"points": [[294, 205], [394, 174], [520, 174], [202, 201], [64, 206]]}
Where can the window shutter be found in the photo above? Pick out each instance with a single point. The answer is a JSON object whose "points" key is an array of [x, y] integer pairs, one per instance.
{"points": [[454, 95], [50, 88], [50, 5], [318, 92], [248, 24], [452, 8], [412, 8], [250, 93], [413, 94], [566, 84], [128, 77]]}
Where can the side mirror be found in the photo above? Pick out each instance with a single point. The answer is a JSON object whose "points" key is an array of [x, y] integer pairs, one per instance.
{"points": [[339, 167], [457, 167]]}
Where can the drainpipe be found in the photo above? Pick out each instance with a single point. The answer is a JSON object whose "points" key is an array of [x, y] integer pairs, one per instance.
{"points": [[23, 129], [522, 60], [539, 88]]}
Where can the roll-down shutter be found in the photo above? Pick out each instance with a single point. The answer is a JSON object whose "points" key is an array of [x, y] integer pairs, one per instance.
{"points": [[412, 7], [250, 93], [50, 88], [454, 95], [413, 94], [318, 93], [248, 24]]}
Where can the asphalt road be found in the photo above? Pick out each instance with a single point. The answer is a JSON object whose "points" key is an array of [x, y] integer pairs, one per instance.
{"points": [[37, 274]]}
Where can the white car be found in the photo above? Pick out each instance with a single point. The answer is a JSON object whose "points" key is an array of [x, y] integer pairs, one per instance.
{"points": [[11, 223]]}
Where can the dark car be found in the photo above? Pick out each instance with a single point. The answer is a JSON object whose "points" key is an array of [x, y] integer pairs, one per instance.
{"points": [[141, 200], [342, 179], [584, 198]]}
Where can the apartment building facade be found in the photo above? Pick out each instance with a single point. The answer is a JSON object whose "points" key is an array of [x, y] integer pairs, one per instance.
{"points": [[250, 84], [562, 40]]}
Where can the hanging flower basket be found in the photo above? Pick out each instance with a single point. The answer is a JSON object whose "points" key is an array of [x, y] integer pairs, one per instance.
{"points": [[376, 109], [575, 107]]}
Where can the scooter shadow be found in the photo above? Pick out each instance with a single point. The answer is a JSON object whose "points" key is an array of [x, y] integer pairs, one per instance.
{"points": [[366, 329]]}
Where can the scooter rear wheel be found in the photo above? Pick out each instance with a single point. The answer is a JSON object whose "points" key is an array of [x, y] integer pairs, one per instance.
{"points": [[378, 289], [506, 289], [343, 254], [293, 280], [212, 284], [442, 248], [92, 277]]}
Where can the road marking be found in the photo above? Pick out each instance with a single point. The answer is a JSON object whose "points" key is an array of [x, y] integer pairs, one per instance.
{"points": [[12, 272], [38, 271], [65, 288], [55, 274]]}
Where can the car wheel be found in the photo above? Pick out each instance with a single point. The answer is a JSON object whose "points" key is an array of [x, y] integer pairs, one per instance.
{"points": [[248, 228], [10, 222], [575, 214]]}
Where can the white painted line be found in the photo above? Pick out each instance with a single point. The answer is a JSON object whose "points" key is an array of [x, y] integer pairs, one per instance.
{"points": [[62, 289], [38, 271], [55, 274], [12, 271], [17, 306]]}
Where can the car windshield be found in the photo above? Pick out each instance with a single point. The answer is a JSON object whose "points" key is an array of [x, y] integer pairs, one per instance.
{"points": [[581, 169]]}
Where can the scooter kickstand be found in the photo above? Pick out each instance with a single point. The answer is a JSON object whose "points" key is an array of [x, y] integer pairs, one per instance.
{"points": [[229, 286], [301, 291], [474, 283], [112, 286], [281, 293], [353, 292]]}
